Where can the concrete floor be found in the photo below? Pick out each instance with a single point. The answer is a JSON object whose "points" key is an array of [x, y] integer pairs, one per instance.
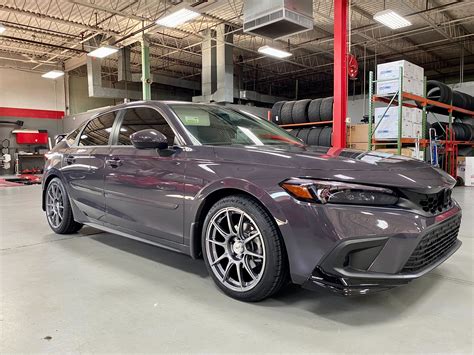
{"points": [[97, 292]]}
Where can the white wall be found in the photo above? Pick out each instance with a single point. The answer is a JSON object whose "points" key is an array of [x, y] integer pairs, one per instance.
{"points": [[22, 89], [27, 90]]}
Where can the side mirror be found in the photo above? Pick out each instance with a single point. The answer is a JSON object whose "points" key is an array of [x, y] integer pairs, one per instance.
{"points": [[149, 139], [58, 138]]}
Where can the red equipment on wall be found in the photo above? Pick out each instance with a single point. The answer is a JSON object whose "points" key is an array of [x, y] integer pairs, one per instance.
{"points": [[31, 136], [353, 66]]}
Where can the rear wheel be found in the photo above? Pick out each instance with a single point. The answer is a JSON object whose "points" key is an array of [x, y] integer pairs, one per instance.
{"points": [[58, 209], [242, 249]]}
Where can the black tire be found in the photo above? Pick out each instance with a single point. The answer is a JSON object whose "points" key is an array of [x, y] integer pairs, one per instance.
{"points": [[287, 112], [326, 109], [300, 111], [325, 138], [276, 112], [274, 274], [66, 224], [313, 110], [303, 135], [437, 91], [313, 137]]}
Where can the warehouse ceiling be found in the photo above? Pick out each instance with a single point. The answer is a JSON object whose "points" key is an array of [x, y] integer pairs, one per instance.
{"points": [[49, 34]]}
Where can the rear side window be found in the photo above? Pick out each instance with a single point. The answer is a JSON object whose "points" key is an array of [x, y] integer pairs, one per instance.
{"points": [[97, 131], [138, 118]]}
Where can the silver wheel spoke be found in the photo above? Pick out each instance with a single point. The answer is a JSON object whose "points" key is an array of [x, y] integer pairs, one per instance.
{"points": [[227, 271], [220, 230], [239, 275], [249, 270], [216, 242], [254, 255], [219, 259], [251, 237], [229, 222], [240, 232]]}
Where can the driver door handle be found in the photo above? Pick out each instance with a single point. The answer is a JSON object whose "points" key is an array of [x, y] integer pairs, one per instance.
{"points": [[113, 162]]}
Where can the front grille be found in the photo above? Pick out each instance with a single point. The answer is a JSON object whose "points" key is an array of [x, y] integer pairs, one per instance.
{"points": [[434, 245], [432, 203]]}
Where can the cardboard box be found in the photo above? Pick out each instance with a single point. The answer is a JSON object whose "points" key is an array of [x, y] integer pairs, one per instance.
{"points": [[359, 146], [412, 86], [358, 133], [391, 70], [465, 170], [388, 127], [407, 152]]}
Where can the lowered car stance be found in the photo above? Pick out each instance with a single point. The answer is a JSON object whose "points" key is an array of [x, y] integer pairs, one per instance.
{"points": [[260, 207]]}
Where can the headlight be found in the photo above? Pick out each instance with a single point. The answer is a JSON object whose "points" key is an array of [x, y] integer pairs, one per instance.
{"points": [[320, 191]]}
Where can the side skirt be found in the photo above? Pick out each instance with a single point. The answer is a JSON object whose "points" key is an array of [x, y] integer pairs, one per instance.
{"points": [[179, 248]]}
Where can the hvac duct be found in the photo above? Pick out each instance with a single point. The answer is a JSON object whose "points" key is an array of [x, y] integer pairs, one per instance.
{"points": [[278, 18]]}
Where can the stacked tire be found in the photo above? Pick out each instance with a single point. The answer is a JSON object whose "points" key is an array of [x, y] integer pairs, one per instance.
{"points": [[302, 111], [438, 91], [321, 136], [462, 131]]}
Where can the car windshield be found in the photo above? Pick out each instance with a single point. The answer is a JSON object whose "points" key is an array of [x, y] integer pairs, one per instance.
{"points": [[213, 125]]}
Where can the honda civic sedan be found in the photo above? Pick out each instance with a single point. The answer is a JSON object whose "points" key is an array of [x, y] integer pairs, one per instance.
{"points": [[260, 207]]}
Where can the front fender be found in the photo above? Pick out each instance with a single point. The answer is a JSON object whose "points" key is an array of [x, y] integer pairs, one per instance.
{"points": [[245, 186]]}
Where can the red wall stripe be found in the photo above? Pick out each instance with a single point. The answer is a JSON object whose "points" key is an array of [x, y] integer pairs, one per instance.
{"points": [[30, 113]]}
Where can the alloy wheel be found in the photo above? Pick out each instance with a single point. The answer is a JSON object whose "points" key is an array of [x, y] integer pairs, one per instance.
{"points": [[54, 205], [235, 249]]}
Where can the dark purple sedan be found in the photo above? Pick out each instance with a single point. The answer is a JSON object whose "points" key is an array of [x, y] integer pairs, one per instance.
{"points": [[258, 205]]}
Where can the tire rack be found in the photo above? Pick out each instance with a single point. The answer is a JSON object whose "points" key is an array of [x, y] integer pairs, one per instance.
{"points": [[400, 98], [302, 125], [306, 124]]}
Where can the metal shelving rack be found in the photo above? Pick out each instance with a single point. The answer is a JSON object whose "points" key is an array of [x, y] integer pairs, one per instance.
{"points": [[306, 124], [399, 99], [402, 99]]}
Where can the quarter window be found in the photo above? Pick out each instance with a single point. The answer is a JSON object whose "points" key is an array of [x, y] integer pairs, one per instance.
{"points": [[71, 138], [97, 131], [138, 118]]}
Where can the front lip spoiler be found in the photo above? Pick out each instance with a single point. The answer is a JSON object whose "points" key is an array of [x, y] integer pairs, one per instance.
{"points": [[361, 283]]}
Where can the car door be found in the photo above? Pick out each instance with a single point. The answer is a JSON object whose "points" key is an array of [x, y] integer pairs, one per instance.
{"points": [[144, 188], [84, 164]]}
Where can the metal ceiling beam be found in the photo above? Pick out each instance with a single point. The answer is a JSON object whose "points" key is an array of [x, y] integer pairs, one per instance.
{"points": [[106, 9], [436, 26], [56, 20]]}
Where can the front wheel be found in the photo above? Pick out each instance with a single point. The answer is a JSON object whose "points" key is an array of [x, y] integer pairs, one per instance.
{"points": [[58, 209], [243, 250]]}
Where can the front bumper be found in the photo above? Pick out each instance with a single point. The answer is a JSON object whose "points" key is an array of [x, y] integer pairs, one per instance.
{"points": [[366, 265]]}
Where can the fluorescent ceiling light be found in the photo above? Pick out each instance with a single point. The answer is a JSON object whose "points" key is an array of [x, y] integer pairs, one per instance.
{"points": [[103, 52], [2, 29], [53, 74], [273, 52], [391, 19], [178, 17]]}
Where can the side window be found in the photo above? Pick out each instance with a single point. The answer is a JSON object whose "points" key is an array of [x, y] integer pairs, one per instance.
{"points": [[138, 118], [98, 130]]}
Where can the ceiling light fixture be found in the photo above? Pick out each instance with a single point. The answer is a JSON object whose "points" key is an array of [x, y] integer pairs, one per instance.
{"points": [[178, 17], [391, 19], [274, 52], [2, 29], [53, 74], [103, 52]]}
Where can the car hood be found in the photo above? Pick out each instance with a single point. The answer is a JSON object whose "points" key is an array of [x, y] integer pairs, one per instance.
{"points": [[376, 168]]}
